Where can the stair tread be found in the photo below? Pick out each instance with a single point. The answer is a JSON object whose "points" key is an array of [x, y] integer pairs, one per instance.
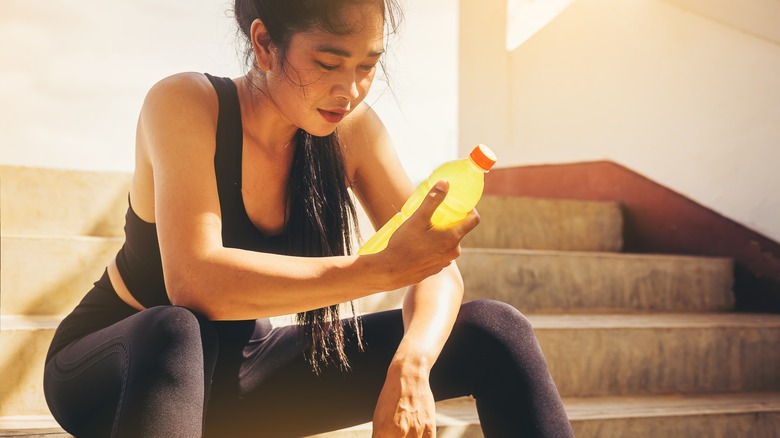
{"points": [[29, 322], [595, 254], [60, 237], [654, 320], [538, 320], [462, 411], [589, 408]]}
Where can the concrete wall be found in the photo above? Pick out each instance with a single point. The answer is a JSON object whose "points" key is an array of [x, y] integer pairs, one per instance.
{"points": [[73, 76], [691, 102], [685, 97]]}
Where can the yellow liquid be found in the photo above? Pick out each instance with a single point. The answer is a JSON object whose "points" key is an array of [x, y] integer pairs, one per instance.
{"points": [[467, 180]]}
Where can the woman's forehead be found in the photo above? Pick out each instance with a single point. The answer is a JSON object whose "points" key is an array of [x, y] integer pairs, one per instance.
{"points": [[365, 40]]}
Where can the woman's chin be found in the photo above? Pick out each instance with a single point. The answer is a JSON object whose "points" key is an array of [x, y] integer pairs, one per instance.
{"points": [[321, 131]]}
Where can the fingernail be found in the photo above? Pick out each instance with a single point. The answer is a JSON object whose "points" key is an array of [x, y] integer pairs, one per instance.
{"points": [[440, 185]]}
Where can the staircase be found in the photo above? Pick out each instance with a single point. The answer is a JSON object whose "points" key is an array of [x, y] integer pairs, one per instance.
{"points": [[639, 345]]}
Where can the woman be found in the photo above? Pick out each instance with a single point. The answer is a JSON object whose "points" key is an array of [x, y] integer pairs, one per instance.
{"points": [[238, 211]]}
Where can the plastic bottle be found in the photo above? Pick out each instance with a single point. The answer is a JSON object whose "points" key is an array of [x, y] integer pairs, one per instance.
{"points": [[467, 180]]}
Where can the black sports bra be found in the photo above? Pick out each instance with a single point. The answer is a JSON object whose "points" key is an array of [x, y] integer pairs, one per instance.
{"points": [[139, 262]]}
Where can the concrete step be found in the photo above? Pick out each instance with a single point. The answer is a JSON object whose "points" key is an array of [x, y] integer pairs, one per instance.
{"points": [[562, 281], [755, 415], [588, 355], [454, 418], [56, 202], [25, 341], [533, 223], [631, 354], [48, 275], [72, 202], [35, 433]]}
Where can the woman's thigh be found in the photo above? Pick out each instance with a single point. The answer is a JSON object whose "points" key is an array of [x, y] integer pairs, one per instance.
{"points": [[125, 375], [277, 394], [268, 388]]}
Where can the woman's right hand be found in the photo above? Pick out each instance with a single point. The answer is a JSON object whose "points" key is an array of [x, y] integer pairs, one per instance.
{"points": [[418, 249]]}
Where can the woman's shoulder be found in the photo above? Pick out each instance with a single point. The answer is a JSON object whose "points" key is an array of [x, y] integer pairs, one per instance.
{"points": [[187, 87], [178, 114], [183, 100]]}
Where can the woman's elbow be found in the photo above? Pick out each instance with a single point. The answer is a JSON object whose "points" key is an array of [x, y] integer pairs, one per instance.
{"points": [[184, 288]]}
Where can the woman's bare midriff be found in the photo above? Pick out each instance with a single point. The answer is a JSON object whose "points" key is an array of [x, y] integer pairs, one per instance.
{"points": [[121, 288]]}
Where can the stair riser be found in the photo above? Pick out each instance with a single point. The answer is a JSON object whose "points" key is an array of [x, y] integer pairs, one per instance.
{"points": [[21, 365], [628, 361], [537, 282], [63, 202], [449, 431], [583, 362], [50, 276], [64, 269], [753, 425], [530, 223]]}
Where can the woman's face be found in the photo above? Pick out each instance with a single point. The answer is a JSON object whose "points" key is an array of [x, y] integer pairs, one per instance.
{"points": [[325, 76]]}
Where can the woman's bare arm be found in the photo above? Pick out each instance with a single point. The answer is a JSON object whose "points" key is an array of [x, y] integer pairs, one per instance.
{"points": [[177, 129], [430, 307]]}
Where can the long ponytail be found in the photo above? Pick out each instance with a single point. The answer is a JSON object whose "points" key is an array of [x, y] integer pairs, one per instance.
{"points": [[322, 218], [322, 215]]}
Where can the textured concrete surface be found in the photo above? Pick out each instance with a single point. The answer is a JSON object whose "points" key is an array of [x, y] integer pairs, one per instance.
{"points": [[24, 346], [62, 202], [711, 415], [596, 315], [563, 281], [598, 355], [588, 355], [533, 223], [50, 275]]}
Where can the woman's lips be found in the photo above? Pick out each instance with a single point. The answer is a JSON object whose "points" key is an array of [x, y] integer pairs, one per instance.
{"points": [[332, 116]]}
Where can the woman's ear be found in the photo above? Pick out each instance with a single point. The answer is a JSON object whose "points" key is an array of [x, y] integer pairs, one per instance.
{"points": [[261, 45]]}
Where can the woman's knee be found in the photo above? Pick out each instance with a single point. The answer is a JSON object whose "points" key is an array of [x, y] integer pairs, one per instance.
{"points": [[179, 333], [495, 317], [178, 324]]}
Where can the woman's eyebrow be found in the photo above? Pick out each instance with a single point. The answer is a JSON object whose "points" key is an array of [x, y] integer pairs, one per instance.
{"points": [[345, 53]]}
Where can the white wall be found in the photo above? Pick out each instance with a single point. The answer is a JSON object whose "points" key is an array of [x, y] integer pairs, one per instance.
{"points": [[73, 76], [688, 101]]}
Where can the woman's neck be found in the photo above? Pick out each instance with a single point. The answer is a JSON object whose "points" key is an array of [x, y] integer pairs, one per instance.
{"points": [[262, 122]]}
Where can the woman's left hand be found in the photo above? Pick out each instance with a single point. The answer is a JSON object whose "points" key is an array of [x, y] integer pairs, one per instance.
{"points": [[405, 407]]}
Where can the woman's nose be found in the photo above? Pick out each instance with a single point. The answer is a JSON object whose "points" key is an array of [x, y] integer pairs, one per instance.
{"points": [[347, 87]]}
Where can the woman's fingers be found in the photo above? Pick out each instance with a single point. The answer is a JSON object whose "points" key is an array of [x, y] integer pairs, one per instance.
{"points": [[465, 225], [420, 249], [432, 200]]}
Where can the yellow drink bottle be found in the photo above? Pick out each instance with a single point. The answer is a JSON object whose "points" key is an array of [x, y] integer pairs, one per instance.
{"points": [[467, 180]]}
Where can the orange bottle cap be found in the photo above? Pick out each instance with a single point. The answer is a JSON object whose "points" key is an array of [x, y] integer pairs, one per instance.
{"points": [[483, 157]]}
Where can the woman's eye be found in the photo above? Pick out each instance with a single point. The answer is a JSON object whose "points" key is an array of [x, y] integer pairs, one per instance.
{"points": [[367, 68], [328, 66]]}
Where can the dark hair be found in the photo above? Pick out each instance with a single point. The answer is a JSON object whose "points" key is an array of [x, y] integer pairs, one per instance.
{"points": [[285, 18], [321, 215]]}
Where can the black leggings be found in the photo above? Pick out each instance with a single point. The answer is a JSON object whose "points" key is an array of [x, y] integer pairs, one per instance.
{"points": [[168, 372]]}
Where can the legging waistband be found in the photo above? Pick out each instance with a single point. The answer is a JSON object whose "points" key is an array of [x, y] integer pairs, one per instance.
{"points": [[102, 307]]}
